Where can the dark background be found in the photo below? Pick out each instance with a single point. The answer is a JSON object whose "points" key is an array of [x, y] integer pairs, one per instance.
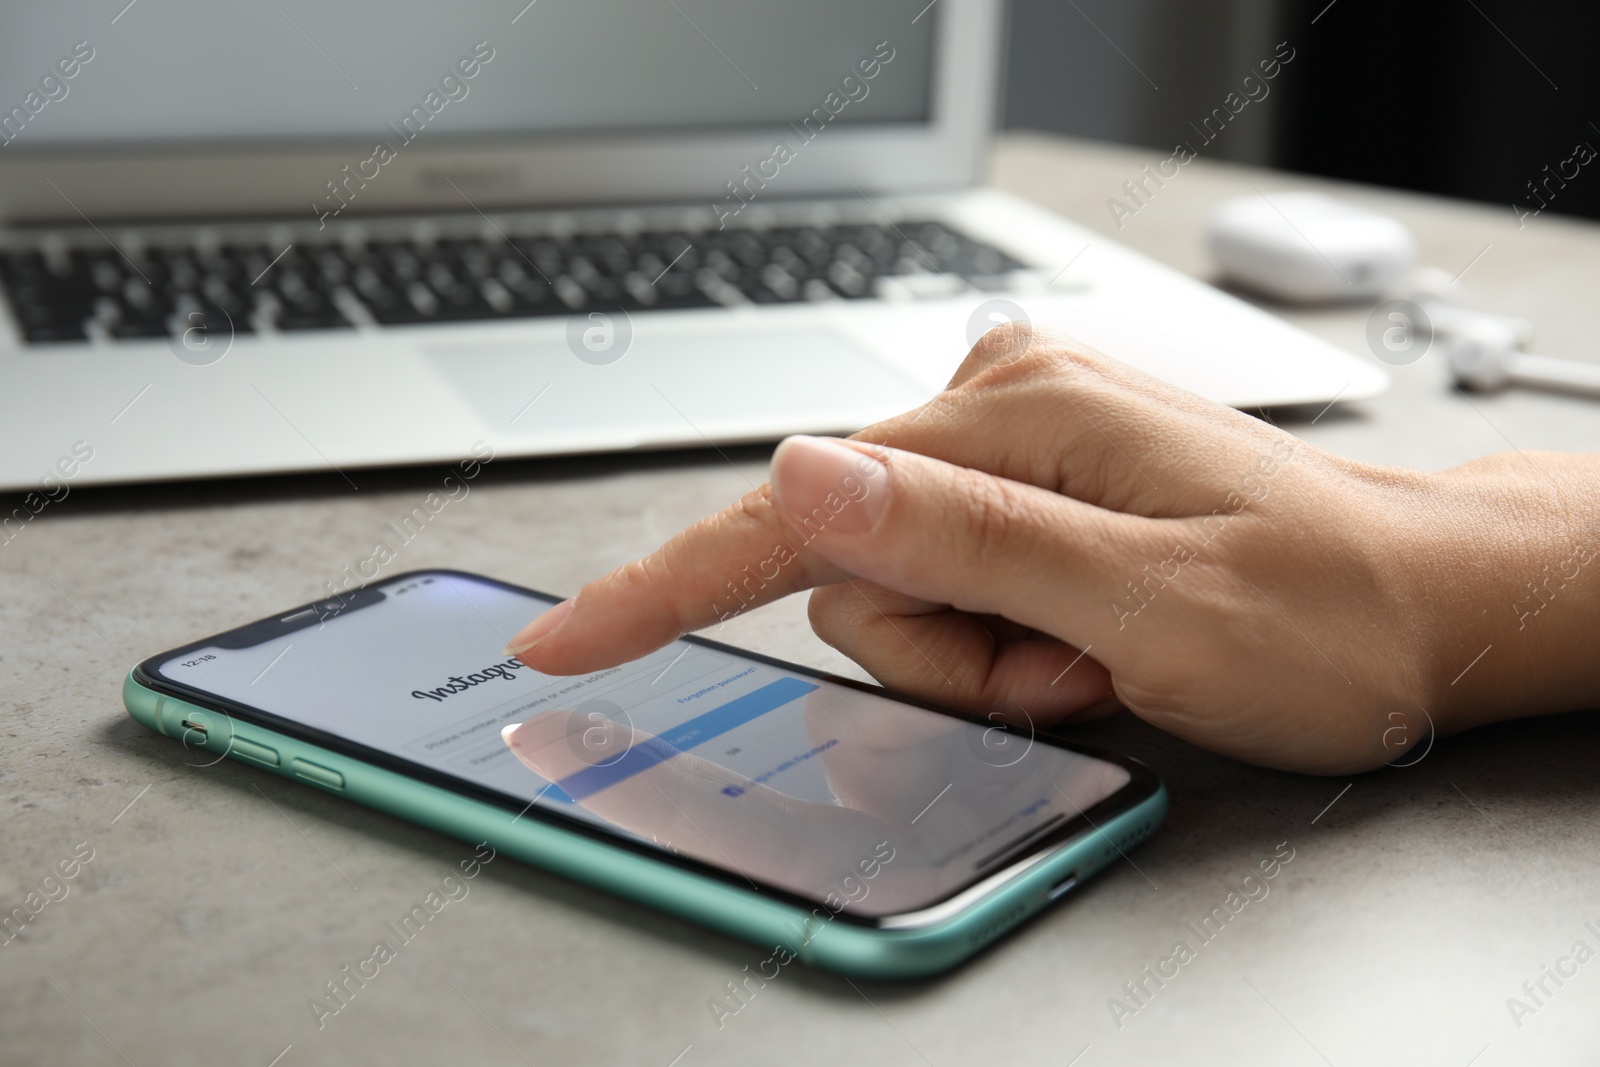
{"points": [[1465, 98]]}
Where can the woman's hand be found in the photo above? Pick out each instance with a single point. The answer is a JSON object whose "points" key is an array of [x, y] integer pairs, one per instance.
{"points": [[1056, 530]]}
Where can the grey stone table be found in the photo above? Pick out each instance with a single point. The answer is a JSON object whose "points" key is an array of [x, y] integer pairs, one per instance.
{"points": [[219, 899]]}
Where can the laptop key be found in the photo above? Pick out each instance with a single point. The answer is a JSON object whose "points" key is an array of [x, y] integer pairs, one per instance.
{"points": [[497, 296], [304, 308], [528, 294], [779, 283], [818, 291], [22, 267], [571, 293], [422, 299], [323, 318], [847, 279], [55, 333], [107, 278], [139, 327]]}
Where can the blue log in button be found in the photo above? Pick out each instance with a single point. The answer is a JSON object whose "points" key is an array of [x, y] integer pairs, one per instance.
{"points": [[684, 736]]}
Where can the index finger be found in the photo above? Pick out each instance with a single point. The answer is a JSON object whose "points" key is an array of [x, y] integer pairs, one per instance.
{"points": [[744, 556]]}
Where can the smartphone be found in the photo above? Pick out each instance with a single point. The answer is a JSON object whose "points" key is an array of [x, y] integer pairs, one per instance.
{"points": [[825, 820]]}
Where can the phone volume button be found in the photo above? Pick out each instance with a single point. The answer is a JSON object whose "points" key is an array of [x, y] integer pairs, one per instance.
{"points": [[315, 772], [255, 753]]}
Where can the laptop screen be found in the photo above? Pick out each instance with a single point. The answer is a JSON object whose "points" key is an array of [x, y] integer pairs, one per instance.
{"points": [[175, 71]]}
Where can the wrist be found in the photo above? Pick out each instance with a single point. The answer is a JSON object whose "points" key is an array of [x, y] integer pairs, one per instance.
{"points": [[1505, 570]]}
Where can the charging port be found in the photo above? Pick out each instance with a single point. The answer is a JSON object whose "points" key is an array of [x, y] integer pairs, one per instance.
{"points": [[1063, 887], [190, 724]]}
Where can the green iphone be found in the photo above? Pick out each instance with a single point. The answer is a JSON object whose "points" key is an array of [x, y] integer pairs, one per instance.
{"points": [[818, 818]]}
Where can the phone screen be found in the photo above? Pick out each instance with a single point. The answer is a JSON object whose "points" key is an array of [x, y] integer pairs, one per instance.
{"points": [[775, 776]]}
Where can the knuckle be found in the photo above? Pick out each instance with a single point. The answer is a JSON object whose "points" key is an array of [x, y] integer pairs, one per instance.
{"points": [[654, 586], [1003, 346], [698, 568], [756, 506], [829, 615], [997, 515], [1006, 337], [755, 510], [752, 519], [640, 574], [1017, 352], [641, 580]]}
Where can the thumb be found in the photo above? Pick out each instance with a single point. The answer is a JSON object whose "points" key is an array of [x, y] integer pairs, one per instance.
{"points": [[980, 543]]}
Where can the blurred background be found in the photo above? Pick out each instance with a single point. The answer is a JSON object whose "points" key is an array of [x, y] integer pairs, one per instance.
{"points": [[1464, 98]]}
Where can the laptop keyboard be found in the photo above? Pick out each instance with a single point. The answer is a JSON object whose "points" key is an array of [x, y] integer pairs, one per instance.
{"points": [[73, 295]]}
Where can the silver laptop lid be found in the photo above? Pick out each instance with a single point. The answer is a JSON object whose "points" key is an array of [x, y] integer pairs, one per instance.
{"points": [[184, 109]]}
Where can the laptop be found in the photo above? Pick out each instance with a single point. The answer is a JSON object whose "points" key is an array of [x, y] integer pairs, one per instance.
{"points": [[287, 236]]}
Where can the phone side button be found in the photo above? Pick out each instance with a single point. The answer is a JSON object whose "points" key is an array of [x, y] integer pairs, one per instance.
{"points": [[267, 757], [313, 772]]}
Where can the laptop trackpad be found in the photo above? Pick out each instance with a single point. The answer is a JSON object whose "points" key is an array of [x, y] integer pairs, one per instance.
{"points": [[666, 389]]}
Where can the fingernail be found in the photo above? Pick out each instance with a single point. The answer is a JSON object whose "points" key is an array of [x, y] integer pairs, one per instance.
{"points": [[508, 730], [540, 628], [824, 484]]}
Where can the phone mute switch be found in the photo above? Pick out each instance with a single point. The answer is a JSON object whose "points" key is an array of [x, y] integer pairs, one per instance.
{"points": [[320, 775]]}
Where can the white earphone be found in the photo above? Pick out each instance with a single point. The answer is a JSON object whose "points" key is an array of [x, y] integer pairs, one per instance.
{"points": [[1484, 354]]}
